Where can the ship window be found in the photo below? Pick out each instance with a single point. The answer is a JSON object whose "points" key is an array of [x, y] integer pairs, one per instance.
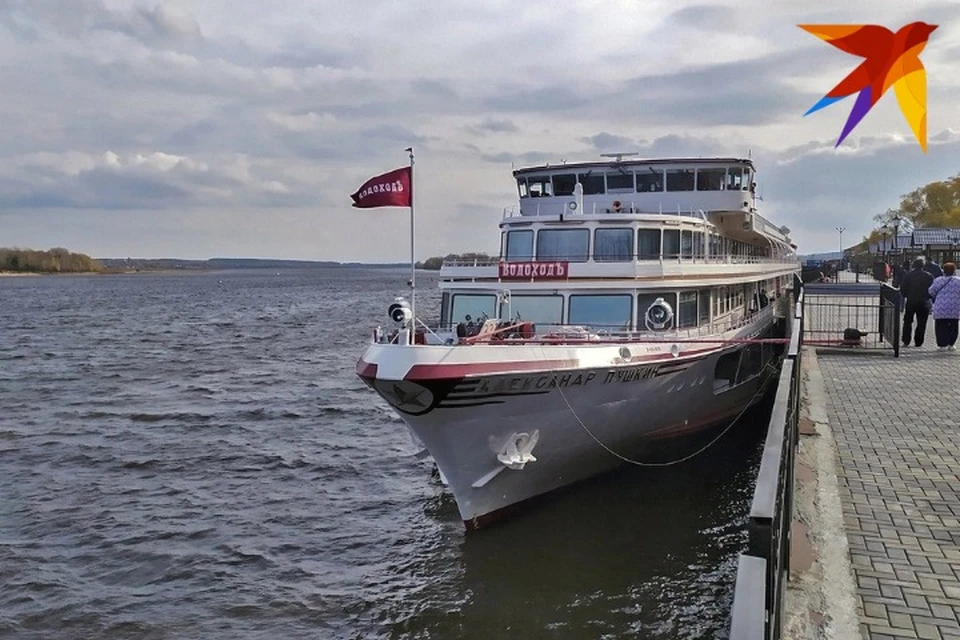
{"points": [[444, 308], [536, 309], [699, 247], [686, 243], [680, 180], [649, 179], [592, 183], [644, 300], [522, 187], [704, 303], [539, 186], [611, 312], [563, 244], [613, 245], [735, 178], [474, 305], [620, 181], [710, 179], [725, 373], [687, 309], [564, 184], [519, 245], [671, 243], [648, 246]]}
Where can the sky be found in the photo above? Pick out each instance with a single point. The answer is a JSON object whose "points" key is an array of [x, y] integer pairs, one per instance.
{"points": [[240, 128]]}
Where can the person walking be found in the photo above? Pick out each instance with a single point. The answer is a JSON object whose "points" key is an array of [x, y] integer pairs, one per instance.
{"points": [[915, 289], [945, 291], [933, 268]]}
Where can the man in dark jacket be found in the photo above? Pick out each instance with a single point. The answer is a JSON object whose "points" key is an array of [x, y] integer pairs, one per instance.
{"points": [[932, 268], [916, 302]]}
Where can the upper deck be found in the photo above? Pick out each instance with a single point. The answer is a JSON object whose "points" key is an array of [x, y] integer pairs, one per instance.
{"points": [[662, 185]]}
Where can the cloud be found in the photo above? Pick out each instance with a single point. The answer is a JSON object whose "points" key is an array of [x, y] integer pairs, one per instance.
{"points": [[202, 111], [75, 180]]}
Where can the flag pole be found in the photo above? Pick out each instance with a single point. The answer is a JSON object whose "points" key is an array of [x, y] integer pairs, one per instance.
{"points": [[413, 263]]}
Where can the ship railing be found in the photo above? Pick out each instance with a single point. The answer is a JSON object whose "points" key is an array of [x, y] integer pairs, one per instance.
{"points": [[555, 206], [635, 258], [519, 331], [764, 568]]}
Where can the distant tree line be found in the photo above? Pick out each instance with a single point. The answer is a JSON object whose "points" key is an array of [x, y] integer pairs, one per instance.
{"points": [[936, 204], [436, 262], [56, 260]]}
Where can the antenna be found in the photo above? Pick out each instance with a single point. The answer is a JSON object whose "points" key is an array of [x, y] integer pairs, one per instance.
{"points": [[619, 156]]}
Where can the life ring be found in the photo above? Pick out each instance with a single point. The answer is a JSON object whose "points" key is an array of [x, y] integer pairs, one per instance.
{"points": [[659, 315], [616, 206]]}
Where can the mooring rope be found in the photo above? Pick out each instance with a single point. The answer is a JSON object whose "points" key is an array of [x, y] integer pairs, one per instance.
{"points": [[640, 463]]}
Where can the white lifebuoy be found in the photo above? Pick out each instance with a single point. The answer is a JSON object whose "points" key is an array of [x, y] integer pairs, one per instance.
{"points": [[659, 315]]}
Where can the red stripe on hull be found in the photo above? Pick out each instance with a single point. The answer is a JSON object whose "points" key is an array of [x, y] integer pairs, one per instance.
{"points": [[366, 369], [435, 371]]}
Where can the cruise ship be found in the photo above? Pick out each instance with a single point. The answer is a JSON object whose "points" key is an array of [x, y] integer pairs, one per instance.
{"points": [[633, 300]]}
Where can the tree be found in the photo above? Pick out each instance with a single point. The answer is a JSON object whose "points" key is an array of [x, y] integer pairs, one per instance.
{"points": [[936, 204]]}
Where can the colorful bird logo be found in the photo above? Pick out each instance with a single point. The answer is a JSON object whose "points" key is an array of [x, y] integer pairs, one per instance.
{"points": [[890, 59]]}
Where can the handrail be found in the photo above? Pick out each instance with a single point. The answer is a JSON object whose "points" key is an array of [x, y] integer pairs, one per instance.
{"points": [[764, 567], [635, 259]]}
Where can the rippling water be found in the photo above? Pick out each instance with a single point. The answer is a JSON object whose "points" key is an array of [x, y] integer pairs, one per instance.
{"points": [[193, 456]]}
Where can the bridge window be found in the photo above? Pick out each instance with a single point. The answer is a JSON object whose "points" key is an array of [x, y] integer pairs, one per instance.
{"points": [[620, 181], [735, 179], [711, 179], [680, 180], [649, 179], [699, 245], [648, 245], [474, 305], [539, 186], [613, 245], [592, 183], [564, 184], [519, 245], [671, 243], [687, 309], [610, 312], [563, 244], [522, 187], [536, 309]]}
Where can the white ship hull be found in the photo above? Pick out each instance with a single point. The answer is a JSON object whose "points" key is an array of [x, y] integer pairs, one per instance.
{"points": [[507, 423]]}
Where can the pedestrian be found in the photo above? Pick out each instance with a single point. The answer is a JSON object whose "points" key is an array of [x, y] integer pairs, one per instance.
{"points": [[933, 268], [915, 289], [945, 291]]}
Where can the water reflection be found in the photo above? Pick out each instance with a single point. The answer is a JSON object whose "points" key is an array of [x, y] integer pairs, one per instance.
{"points": [[640, 551]]}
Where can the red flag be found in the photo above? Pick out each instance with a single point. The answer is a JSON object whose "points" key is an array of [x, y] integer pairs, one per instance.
{"points": [[388, 190]]}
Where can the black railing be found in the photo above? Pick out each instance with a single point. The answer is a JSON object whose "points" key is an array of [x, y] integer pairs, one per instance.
{"points": [[890, 317], [763, 569], [851, 316]]}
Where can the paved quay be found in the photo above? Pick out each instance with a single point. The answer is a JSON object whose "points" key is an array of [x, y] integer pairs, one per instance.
{"points": [[876, 549]]}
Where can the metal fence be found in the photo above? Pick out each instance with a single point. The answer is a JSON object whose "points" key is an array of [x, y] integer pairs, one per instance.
{"points": [[853, 316], [763, 569]]}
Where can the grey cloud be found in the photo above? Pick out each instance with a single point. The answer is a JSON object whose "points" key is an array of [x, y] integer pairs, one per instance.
{"points": [[497, 126], [530, 157], [159, 23], [708, 17], [606, 142]]}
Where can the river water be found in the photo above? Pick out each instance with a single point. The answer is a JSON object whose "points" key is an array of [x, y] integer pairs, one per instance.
{"points": [[193, 456]]}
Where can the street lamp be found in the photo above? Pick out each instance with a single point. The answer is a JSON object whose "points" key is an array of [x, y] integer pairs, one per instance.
{"points": [[840, 230], [886, 229]]}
